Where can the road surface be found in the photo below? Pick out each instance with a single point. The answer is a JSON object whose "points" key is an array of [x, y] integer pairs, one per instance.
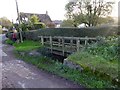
{"points": [[18, 74]]}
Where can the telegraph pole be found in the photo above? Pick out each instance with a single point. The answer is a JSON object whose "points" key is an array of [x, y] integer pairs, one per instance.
{"points": [[20, 30]]}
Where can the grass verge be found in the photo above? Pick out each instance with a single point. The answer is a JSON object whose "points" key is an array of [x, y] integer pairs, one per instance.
{"points": [[101, 59], [27, 45], [86, 79]]}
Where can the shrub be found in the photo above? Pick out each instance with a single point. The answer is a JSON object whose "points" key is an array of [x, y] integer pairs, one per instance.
{"points": [[69, 32], [39, 26], [8, 41], [100, 57]]}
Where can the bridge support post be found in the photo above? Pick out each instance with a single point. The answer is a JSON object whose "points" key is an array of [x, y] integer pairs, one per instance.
{"points": [[78, 45], [63, 47], [86, 41], [51, 44], [71, 43], [59, 42], [42, 40]]}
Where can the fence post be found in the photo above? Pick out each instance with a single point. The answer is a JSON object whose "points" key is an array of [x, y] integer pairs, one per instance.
{"points": [[59, 42], [51, 43], [86, 41], [42, 40], [71, 43], [63, 47], [78, 45]]}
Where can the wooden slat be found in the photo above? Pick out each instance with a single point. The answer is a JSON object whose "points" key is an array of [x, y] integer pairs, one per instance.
{"points": [[74, 38], [58, 43]]}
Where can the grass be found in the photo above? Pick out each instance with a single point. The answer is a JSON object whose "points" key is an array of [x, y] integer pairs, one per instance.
{"points": [[8, 41], [101, 58], [95, 63], [86, 79], [27, 45]]}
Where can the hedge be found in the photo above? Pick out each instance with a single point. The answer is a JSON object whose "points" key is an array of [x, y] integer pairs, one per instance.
{"points": [[79, 32], [70, 32]]}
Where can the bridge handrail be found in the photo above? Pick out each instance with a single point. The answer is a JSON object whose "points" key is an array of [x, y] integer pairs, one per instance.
{"points": [[51, 41]]}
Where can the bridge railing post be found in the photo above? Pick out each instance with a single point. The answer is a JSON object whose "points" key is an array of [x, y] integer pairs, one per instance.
{"points": [[51, 46], [63, 46], [42, 40], [78, 45], [58, 42], [86, 41], [71, 43]]}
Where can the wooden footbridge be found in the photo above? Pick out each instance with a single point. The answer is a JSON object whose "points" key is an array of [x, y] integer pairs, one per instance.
{"points": [[65, 45]]}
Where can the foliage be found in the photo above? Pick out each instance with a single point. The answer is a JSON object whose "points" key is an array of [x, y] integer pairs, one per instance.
{"points": [[106, 20], [27, 27], [101, 58], [106, 47], [67, 23], [27, 45], [86, 79], [34, 23], [69, 32], [9, 41], [34, 20], [31, 24], [39, 26], [5, 22], [88, 11]]}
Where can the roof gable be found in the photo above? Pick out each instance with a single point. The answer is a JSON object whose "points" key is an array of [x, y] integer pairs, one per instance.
{"points": [[43, 17]]}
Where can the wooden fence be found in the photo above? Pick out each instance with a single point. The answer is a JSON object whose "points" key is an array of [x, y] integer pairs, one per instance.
{"points": [[61, 45]]}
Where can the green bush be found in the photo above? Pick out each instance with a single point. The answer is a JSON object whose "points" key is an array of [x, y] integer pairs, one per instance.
{"points": [[107, 48], [27, 27], [69, 32], [101, 57], [79, 32], [9, 41]]}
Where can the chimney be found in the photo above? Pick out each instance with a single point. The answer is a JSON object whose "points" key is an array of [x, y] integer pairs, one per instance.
{"points": [[46, 12]]}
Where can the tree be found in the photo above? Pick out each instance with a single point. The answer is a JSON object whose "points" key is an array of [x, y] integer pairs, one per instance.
{"points": [[5, 22], [31, 23], [67, 23], [106, 20], [34, 19], [88, 11]]}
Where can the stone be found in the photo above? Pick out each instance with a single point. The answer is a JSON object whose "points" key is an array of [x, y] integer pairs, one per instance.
{"points": [[34, 53], [72, 65], [22, 53]]}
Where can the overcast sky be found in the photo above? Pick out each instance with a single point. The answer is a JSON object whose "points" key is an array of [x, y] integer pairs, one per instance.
{"points": [[55, 8]]}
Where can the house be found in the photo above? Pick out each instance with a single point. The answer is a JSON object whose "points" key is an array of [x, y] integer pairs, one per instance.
{"points": [[45, 18], [4, 29], [83, 25], [57, 23]]}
